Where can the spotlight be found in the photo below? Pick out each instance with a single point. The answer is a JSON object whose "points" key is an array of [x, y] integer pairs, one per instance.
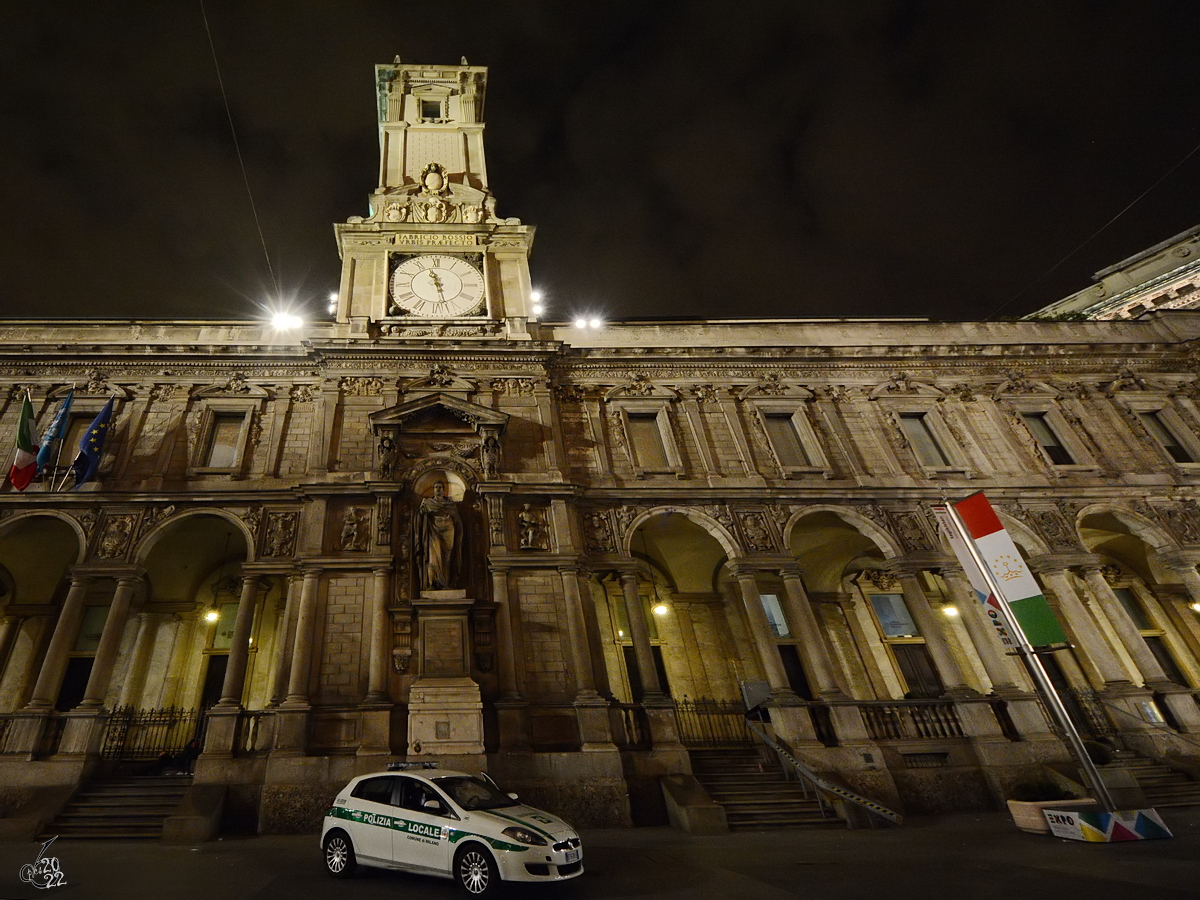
{"points": [[660, 610], [950, 611], [536, 296], [1196, 607], [538, 309], [581, 323], [595, 322], [211, 616], [285, 321]]}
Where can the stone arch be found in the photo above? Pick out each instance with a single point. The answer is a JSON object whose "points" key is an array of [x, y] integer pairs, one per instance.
{"points": [[714, 528], [8, 524], [882, 539], [146, 544], [461, 470], [1139, 526]]}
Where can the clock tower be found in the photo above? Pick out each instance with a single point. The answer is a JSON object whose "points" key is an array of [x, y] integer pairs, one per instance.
{"points": [[432, 258]]}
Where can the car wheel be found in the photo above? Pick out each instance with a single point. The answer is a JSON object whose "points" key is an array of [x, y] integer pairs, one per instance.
{"points": [[476, 872], [339, 855]]}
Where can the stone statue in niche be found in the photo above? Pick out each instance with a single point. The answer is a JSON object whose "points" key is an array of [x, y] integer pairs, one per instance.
{"points": [[531, 529], [491, 455], [439, 541], [387, 458]]}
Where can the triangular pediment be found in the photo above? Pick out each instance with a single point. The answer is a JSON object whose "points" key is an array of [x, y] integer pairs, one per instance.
{"points": [[438, 414]]}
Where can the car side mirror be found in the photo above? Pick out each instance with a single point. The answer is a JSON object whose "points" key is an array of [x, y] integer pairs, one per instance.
{"points": [[432, 806], [512, 796]]}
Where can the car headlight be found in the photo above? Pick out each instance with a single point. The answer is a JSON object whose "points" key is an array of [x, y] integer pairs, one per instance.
{"points": [[525, 836]]}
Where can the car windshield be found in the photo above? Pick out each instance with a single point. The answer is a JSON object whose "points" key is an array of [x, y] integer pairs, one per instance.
{"points": [[470, 792]]}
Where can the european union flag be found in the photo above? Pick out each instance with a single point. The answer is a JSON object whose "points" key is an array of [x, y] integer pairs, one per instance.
{"points": [[91, 445]]}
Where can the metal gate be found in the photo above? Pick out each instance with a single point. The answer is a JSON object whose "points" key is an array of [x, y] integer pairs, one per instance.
{"points": [[145, 733]]}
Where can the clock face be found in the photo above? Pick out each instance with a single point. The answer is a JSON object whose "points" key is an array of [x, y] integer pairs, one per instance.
{"points": [[436, 286]]}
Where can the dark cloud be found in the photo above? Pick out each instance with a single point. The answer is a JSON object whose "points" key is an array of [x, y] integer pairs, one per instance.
{"points": [[678, 158]]}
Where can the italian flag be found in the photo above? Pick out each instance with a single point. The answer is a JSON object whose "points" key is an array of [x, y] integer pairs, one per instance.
{"points": [[24, 465]]}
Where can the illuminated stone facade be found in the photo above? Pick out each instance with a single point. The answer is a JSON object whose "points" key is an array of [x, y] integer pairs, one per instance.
{"points": [[646, 515]]}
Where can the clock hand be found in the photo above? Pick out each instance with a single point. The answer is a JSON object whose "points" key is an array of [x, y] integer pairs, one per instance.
{"points": [[437, 283]]}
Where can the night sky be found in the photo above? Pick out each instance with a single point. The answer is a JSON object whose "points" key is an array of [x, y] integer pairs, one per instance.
{"points": [[678, 158]]}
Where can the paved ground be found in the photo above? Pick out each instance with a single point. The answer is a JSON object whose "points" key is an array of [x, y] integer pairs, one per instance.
{"points": [[980, 856]]}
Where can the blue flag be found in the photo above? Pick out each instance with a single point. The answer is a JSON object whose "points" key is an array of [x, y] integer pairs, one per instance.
{"points": [[54, 434], [91, 445]]}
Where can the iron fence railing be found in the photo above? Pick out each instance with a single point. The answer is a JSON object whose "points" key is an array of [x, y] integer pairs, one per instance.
{"points": [[145, 734], [705, 722]]}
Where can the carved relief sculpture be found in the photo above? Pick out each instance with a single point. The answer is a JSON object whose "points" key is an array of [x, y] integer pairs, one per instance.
{"points": [[531, 529]]}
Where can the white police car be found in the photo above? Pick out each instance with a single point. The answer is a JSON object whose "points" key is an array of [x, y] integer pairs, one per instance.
{"points": [[450, 824]]}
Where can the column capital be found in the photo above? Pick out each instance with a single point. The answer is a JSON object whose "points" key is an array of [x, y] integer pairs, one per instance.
{"points": [[796, 571], [1180, 560], [743, 569]]}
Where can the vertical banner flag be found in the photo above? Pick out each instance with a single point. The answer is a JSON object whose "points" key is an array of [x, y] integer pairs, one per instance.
{"points": [[24, 465], [91, 445], [1016, 582], [990, 604], [54, 434]]}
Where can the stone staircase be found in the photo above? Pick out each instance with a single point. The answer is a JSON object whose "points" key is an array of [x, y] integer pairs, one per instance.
{"points": [[1162, 785], [755, 793], [131, 807]]}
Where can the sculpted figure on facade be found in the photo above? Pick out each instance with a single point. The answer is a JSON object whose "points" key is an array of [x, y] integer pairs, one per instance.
{"points": [[387, 458], [439, 541], [531, 529]]}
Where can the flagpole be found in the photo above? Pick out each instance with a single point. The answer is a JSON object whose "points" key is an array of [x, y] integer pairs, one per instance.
{"points": [[1058, 712], [62, 439]]}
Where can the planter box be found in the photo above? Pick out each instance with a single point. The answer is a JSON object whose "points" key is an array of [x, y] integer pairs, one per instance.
{"points": [[1027, 814]]}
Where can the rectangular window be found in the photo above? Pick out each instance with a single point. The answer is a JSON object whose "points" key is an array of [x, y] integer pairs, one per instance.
{"points": [[893, 615], [922, 441], [223, 440], [431, 109], [781, 431], [1160, 432], [1047, 439], [223, 630], [91, 628], [648, 447], [775, 617], [1133, 606]]}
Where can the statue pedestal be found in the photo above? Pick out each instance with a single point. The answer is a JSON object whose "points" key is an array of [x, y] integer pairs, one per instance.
{"points": [[445, 713], [445, 717]]}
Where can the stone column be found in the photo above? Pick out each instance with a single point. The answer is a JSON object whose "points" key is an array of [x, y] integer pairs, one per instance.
{"points": [[1180, 609], [135, 679], [931, 630], [1003, 671], [239, 644], [590, 708], [595, 641], [381, 651], [1085, 630], [291, 716], [789, 716], [1127, 631], [49, 679], [506, 665], [297, 695], [761, 634], [110, 642], [284, 638], [9, 627], [639, 634], [581, 657], [816, 654]]}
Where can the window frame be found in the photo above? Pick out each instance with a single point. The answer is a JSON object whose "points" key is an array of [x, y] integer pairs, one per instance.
{"points": [[1173, 423], [955, 454], [659, 408], [806, 436], [210, 411], [1062, 429]]}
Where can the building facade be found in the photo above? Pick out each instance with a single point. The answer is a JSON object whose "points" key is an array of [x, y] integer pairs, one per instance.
{"points": [[437, 527]]}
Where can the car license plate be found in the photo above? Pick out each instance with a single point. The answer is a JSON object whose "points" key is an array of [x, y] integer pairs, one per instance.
{"points": [[572, 856]]}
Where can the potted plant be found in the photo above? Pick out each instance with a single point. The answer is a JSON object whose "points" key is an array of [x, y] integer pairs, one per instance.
{"points": [[1031, 797]]}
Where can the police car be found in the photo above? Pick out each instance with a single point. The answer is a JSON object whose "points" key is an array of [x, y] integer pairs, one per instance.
{"points": [[445, 823]]}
